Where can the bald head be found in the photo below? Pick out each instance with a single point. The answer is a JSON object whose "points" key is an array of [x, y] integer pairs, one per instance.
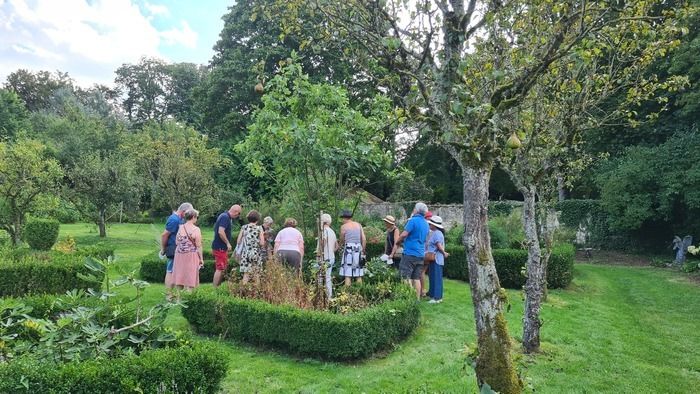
{"points": [[235, 211]]}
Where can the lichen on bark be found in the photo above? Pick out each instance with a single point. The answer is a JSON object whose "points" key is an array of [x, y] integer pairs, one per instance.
{"points": [[491, 363]]}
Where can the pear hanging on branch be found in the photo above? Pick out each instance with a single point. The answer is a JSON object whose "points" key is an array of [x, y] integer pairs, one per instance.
{"points": [[259, 88], [514, 142]]}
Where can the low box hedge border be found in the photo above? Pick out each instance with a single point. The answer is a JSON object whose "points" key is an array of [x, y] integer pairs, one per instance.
{"points": [[510, 265], [199, 368], [319, 334], [49, 273], [152, 268]]}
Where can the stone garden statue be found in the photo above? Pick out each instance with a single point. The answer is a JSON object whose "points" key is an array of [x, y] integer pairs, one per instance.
{"points": [[681, 248]]}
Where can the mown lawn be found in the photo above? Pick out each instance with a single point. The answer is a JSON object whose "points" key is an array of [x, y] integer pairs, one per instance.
{"points": [[616, 329]]}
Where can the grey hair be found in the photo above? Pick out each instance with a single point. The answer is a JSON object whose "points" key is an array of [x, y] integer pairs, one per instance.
{"points": [[326, 219], [421, 208], [184, 207], [191, 213]]}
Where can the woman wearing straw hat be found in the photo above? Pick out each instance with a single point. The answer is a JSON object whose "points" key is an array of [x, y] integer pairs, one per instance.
{"points": [[352, 237], [391, 249], [436, 247]]}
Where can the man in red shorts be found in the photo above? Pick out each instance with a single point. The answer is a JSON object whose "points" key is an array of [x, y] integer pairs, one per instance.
{"points": [[221, 245]]}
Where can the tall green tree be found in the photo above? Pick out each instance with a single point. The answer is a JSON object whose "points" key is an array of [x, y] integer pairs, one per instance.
{"points": [[251, 46], [26, 172], [176, 165], [156, 90], [312, 144], [36, 89], [103, 180], [14, 117], [471, 63]]}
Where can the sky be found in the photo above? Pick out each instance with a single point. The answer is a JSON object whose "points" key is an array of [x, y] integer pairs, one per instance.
{"points": [[90, 39]]}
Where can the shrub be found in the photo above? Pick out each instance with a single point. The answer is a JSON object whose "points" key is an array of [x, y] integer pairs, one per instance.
{"points": [[41, 234], [98, 251], [499, 237], [503, 208], [153, 268], [51, 273], [319, 334], [198, 368], [510, 265]]}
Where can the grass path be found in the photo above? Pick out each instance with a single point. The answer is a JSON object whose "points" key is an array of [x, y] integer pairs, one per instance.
{"points": [[616, 329]]}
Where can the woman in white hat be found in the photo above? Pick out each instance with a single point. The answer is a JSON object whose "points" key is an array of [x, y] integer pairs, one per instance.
{"points": [[436, 245], [391, 249]]}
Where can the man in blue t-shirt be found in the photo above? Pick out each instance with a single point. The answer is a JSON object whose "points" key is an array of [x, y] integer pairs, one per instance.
{"points": [[221, 245], [413, 238], [167, 242]]}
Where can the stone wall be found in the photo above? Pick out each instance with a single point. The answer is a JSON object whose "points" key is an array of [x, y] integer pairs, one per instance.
{"points": [[451, 214]]}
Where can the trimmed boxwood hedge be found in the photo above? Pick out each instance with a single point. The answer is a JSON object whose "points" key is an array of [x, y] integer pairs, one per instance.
{"points": [[305, 332], [41, 233], [153, 268], [510, 264], [50, 273], [196, 369]]}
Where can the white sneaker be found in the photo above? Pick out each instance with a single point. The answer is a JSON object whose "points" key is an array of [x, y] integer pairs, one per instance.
{"points": [[434, 301]]}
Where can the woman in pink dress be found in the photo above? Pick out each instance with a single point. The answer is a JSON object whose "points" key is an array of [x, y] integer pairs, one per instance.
{"points": [[188, 253]]}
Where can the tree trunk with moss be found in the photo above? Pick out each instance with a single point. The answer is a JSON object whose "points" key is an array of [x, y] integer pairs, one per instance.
{"points": [[536, 276], [493, 364]]}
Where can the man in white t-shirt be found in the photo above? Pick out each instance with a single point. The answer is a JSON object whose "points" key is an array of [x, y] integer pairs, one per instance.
{"points": [[327, 246]]}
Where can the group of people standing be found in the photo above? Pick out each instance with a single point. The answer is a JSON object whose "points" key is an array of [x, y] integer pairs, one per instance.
{"points": [[419, 248]]}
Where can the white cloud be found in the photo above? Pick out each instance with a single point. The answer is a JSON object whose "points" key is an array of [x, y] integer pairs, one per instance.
{"points": [[89, 39], [184, 36], [156, 9]]}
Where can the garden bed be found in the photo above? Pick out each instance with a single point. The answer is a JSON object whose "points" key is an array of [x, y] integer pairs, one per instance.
{"points": [[314, 333], [187, 369], [23, 272]]}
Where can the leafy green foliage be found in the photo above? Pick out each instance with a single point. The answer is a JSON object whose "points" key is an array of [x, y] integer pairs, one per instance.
{"points": [[199, 368], [37, 89], [26, 171], [313, 333], [651, 193], [156, 90], [78, 326], [510, 266], [14, 117], [41, 234], [312, 143], [176, 164]]}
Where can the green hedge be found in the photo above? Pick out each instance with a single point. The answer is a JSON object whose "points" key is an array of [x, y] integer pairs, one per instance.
{"points": [[199, 369], [510, 264], [305, 332], [41, 234], [51, 273], [153, 268]]}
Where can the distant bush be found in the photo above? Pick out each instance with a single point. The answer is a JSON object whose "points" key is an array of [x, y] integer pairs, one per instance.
{"points": [[41, 234], [306, 332], [190, 369], [51, 273], [503, 207], [4, 238], [499, 237], [153, 268], [510, 265]]}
